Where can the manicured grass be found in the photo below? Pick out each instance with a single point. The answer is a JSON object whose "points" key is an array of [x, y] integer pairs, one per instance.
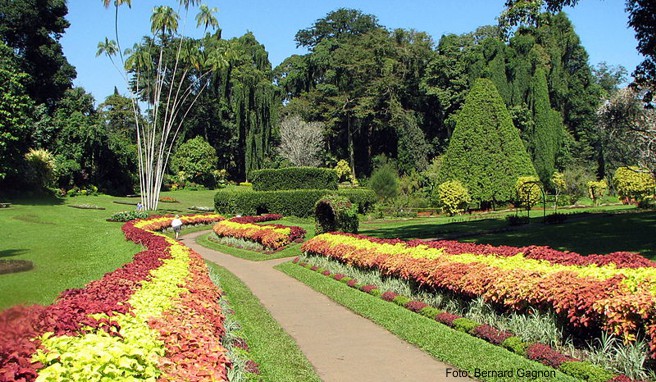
{"points": [[453, 347], [277, 354], [633, 232], [68, 246]]}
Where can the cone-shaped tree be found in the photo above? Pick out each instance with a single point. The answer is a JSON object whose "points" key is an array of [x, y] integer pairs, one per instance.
{"points": [[486, 153], [545, 137]]}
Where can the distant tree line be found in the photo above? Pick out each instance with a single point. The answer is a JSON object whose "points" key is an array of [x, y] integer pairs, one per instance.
{"points": [[363, 93]]}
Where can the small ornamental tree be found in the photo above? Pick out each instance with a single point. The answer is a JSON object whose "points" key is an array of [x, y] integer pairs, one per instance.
{"points": [[486, 153], [528, 191], [453, 197], [633, 183], [343, 171], [196, 158], [335, 213], [559, 185], [597, 189], [385, 182]]}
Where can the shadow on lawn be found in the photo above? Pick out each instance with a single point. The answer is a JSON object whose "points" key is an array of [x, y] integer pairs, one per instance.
{"points": [[33, 200], [12, 252]]}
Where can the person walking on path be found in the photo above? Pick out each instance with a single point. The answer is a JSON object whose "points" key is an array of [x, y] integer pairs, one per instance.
{"points": [[176, 224]]}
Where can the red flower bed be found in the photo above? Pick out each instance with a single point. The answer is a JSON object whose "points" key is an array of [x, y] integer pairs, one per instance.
{"points": [[491, 334], [256, 219], [546, 355]]}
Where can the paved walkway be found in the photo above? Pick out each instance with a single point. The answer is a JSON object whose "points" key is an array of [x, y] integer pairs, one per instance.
{"points": [[341, 345]]}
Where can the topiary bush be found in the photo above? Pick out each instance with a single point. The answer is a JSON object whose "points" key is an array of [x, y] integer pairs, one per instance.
{"points": [[452, 196], [335, 213], [294, 178]]}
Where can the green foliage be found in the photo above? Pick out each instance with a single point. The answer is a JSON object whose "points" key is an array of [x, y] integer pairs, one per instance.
{"points": [[385, 182], [528, 191], [401, 300], [285, 202], [197, 159], [364, 198], [453, 197], [124, 216], [545, 137], [464, 324], [343, 170], [576, 181], [597, 189], [515, 345], [40, 167], [15, 107], [586, 371], [430, 312], [485, 152], [294, 178], [634, 183], [335, 213]]}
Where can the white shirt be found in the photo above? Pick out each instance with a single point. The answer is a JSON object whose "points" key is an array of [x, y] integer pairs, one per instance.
{"points": [[176, 223]]}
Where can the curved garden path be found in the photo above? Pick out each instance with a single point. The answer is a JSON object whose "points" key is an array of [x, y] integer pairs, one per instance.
{"points": [[341, 345]]}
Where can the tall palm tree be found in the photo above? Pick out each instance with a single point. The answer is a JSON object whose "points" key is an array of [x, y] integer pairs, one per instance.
{"points": [[117, 3], [164, 19], [206, 17]]}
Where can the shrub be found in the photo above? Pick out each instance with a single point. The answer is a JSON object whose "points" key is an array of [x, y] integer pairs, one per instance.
{"points": [[288, 202], [124, 216], [464, 324], [586, 371], [633, 183], [491, 334], [528, 193], [389, 296], [343, 171], [447, 318], [430, 312], [335, 213], [453, 197], [401, 300], [515, 345], [546, 355], [555, 219], [197, 159], [364, 198], [514, 220], [294, 178], [385, 182], [597, 189], [40, 167], [415, 306]]}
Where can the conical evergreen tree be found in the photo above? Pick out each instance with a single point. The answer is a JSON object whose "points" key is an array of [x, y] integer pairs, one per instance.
{"points": [[486, 153], [546, 134]]}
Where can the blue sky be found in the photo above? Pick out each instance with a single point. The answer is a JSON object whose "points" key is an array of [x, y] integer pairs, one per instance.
{"points": [[601, 25]]}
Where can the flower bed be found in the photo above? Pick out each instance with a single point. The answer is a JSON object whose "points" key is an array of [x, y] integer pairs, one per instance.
{"points": [[616, 293], [270, 236], [156, 317], [534, 351]]}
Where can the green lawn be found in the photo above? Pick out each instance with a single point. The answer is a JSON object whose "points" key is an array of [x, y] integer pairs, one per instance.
{"points": [[68, 246]]}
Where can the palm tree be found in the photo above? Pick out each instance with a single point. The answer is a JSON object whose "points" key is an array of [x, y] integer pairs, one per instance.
{"points": [[117, 3], [206, 17], [164, 19]]}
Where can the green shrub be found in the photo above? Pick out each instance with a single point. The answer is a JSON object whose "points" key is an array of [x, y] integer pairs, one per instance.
{"points": [[514, 220], [515, 345], [401, 300], [294, 178], [288, 203], [430, 312], [528, 193], [464, 324], [364, 198], [586, 371], [335, 213], [197, 159], [385, 182], [597, 189], [125, 216], [453, 196]]}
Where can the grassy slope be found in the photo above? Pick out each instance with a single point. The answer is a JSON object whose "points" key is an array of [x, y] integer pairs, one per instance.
{"points": [[441, 342], [277, 354], [68, 246]]}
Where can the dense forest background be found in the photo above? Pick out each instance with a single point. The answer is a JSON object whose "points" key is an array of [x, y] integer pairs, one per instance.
{"points": [[378, 97]]}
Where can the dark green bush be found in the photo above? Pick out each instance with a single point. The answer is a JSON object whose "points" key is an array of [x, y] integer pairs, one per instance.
{"points": [[514, 220], [365, 198], [288, 203], [515, 345], [385, 182], [464, 324], [335, 213], [586, 371], [294, 178], [556, 218]]}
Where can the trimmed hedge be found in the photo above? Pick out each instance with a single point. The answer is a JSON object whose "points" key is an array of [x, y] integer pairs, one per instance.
{"points": [[294, 178], [335, 213], [289, 202]]}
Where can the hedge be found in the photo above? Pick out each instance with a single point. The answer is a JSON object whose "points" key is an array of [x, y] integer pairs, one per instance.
{"points": [[294, 178], [289, 202]]}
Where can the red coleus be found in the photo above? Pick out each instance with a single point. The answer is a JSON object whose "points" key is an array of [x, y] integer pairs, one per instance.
{"points": [[547, 355]]}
